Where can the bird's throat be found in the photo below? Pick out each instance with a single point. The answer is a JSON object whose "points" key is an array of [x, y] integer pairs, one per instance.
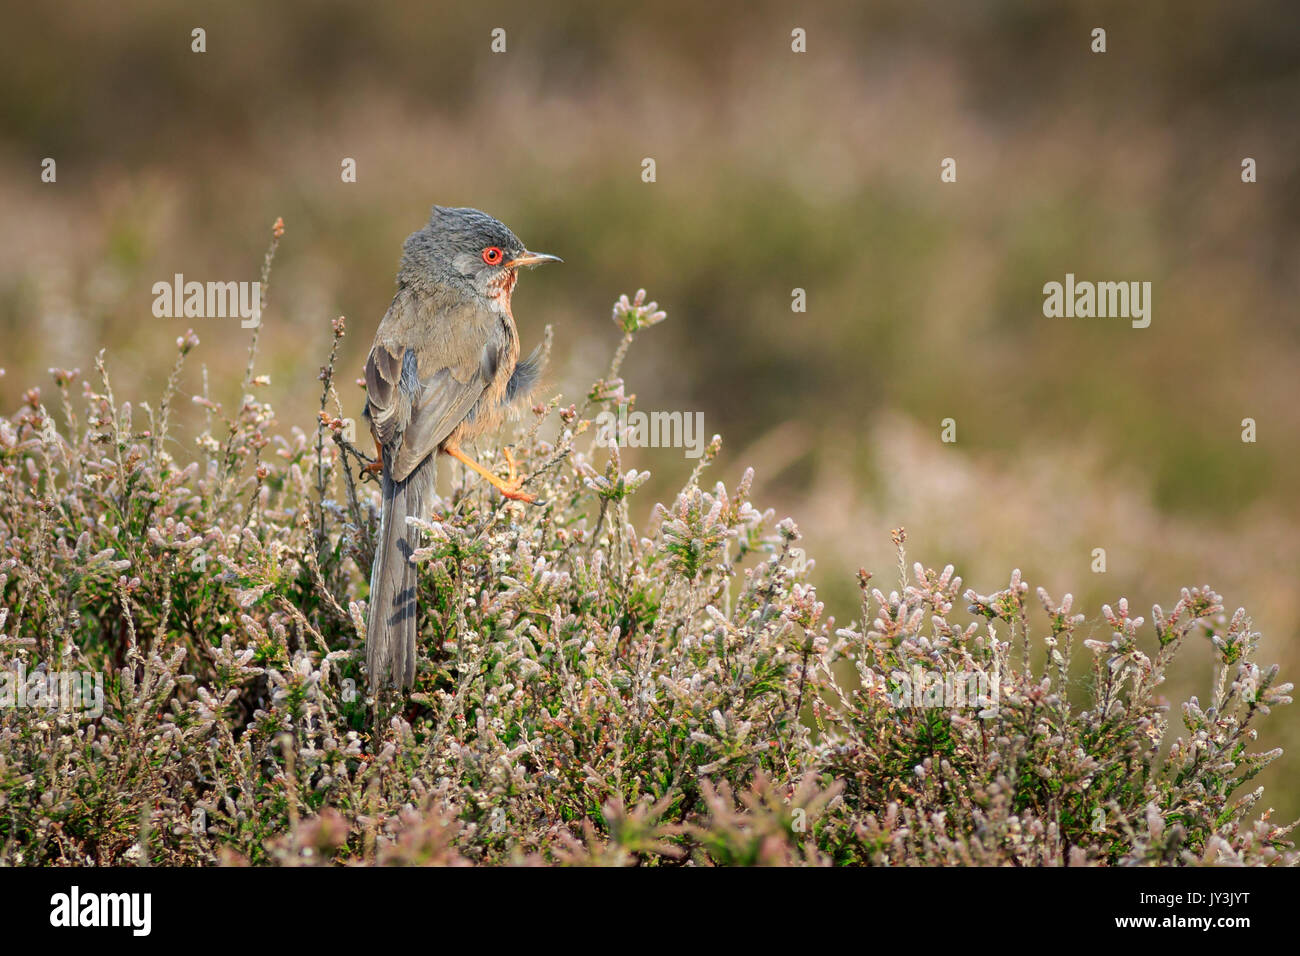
{"points": [[501, 289]]}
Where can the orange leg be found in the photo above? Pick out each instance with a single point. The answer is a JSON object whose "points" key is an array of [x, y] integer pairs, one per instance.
{"points": [[509, 487]]}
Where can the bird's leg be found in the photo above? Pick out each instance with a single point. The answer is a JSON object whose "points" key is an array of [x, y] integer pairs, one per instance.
{"points": [[509, 487], [510, 461]]}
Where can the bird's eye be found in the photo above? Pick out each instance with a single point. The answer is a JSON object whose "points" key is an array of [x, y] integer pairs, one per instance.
{"points": [[493, 255]]}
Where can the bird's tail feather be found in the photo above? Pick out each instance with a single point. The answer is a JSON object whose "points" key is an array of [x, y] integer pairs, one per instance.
{"points": [[390, 634]]}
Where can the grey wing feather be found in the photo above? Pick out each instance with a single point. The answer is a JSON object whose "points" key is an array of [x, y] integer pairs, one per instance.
{"points": [[441, 405], [387, 409], [412, 415]]}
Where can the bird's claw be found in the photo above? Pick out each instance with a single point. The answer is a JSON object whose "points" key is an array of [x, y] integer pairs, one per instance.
{"points": [[514, 482], [511, 490]]}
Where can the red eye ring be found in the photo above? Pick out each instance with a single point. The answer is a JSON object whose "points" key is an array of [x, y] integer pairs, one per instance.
{"points": [[493, 255]]}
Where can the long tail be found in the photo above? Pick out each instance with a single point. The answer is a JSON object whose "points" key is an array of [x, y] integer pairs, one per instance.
{"points": [[390, 635]]}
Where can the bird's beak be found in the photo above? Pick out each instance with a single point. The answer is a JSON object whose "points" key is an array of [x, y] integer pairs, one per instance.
{"points": [[531, 259]]}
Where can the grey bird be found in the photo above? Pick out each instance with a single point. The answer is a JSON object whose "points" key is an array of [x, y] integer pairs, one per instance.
{"points": [[444, 369]]}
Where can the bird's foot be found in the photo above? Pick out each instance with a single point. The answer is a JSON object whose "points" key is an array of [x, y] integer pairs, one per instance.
{"points": [[511, 487], [509, 452], [514, 482]]}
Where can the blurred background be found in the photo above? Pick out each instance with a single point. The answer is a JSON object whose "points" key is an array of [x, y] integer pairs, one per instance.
{"points": [[775, 171]]}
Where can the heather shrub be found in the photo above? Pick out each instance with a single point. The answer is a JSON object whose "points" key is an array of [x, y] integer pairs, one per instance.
{"points": [[1029, 776], [589, 691]]}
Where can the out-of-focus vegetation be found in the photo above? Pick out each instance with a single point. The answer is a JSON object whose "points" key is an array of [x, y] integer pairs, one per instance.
{"points": [[775, 171]]}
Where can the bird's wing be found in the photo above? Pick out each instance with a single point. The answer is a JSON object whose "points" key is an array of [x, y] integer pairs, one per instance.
{"points": [[417, 393]]}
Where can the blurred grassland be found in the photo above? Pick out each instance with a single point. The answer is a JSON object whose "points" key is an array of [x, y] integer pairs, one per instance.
{"points": [[775, 171]]}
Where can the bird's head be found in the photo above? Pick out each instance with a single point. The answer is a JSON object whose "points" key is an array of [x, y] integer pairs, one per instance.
{"points": [[468, 249]]}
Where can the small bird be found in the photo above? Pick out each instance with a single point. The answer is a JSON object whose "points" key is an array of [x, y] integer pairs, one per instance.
{"points": [[444, 369]]}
